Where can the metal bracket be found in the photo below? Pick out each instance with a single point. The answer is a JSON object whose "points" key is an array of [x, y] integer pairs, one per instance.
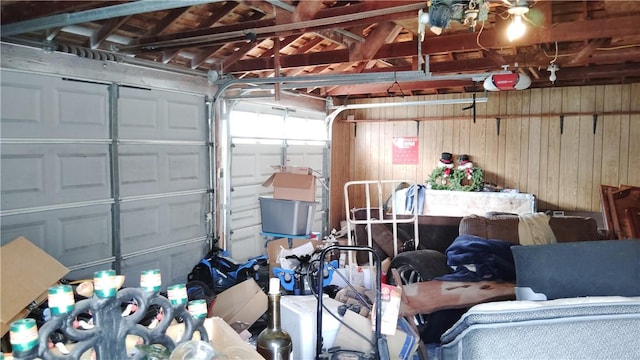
{"points": [[561, 124], [498, 126], [473, 107], [595, 123]]}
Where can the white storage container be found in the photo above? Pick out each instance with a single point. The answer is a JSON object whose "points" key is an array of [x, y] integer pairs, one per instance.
{"points": [[298, 314]]}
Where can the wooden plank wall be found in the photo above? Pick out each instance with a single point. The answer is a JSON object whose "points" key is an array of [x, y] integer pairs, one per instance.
{"points": [[564, 170]]}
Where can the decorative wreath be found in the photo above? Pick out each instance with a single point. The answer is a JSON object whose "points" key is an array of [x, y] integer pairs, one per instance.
{"points": [[457, 179]]}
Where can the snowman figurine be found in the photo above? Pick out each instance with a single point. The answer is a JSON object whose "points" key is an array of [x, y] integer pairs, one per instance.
{"points": [[466, 165], [446, 162]]}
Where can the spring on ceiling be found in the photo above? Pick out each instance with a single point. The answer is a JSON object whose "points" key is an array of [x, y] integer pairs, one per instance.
{"points": [[88, 53]]}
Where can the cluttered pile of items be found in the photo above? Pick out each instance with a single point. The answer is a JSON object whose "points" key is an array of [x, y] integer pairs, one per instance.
{"points": [[237, 309]]}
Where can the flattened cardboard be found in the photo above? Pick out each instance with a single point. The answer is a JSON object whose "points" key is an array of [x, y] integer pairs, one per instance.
{"points": [[27, 273], [244, 302]]}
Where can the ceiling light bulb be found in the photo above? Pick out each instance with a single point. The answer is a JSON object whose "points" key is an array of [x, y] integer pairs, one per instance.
{"points": [[552, 69], [423, 17], [516, 29], [423, 20]]}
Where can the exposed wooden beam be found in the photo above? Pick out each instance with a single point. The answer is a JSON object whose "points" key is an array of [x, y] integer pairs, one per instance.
{"points": [[352, 15], [166, 21], [109, 27], [565, 77], [445, 44], [357, 89], [306, 10], [202, 56], [582, 56], [206, 53], [383, 33]]}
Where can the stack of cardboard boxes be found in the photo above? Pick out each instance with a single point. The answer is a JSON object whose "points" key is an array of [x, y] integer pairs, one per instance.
{"points": [[291, 210]]}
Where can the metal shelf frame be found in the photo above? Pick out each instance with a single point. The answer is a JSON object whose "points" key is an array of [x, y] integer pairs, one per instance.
{"points": [[377, 188]]}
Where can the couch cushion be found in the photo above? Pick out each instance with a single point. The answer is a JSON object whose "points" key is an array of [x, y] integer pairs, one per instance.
{"points": [[501, 227], [574, 228], [505, 227]]}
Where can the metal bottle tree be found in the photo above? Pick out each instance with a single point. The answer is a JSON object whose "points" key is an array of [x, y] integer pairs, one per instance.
{"points": [[108, 336]]}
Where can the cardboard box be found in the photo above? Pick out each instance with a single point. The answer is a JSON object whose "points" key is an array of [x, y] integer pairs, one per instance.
{"points": [[402, 345], [27, 274], [292, 183], [274, 247], [302, 170], [244, 302]]}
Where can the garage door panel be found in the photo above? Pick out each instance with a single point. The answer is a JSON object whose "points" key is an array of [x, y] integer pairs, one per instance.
{"points": [[251, 163], [246, 216], [174, 264], [246, 243], [148, 224], [149, 169], [251, 166], [46, 174], [73, 236], [246, 197], [160, 115], [33, 228], [86, 235], [46, 107], [311, 156], [244, 171]]}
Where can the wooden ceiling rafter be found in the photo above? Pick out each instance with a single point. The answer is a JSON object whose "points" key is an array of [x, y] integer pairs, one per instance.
{"points": [[166, 22], [109, 27], [206, 53], [364, 13], [332, 37]]}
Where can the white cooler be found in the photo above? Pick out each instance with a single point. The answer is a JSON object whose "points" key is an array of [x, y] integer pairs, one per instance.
{"points": [[298, 314]]}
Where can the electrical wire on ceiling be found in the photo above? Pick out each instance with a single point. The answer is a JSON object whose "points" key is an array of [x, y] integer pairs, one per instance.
{"points": [[478, 37], [619, 47], [598, 49], [556, 55]]}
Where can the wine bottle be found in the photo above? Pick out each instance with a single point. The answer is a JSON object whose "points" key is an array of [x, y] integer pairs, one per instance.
{"points": [[273, 342]]}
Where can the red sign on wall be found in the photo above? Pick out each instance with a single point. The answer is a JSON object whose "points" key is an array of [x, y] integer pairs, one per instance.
{"points": [[405, 150]]}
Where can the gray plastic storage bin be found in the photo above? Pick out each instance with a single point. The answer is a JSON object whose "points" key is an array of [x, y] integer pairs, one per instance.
{"points": [[288, 217]]}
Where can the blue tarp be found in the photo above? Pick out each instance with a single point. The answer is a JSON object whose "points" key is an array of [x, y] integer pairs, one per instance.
{"points": [[492, 258]]}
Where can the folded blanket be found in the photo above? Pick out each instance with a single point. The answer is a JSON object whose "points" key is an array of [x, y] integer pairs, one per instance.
{"points": [[534, 229], [491, 258]]}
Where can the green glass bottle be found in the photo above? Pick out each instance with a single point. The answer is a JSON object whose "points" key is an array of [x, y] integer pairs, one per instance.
{"points": [[273, 342]]}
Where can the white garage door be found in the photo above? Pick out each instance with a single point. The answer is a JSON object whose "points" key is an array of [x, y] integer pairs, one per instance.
{"points": [[252, 153], [105, 176]]}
